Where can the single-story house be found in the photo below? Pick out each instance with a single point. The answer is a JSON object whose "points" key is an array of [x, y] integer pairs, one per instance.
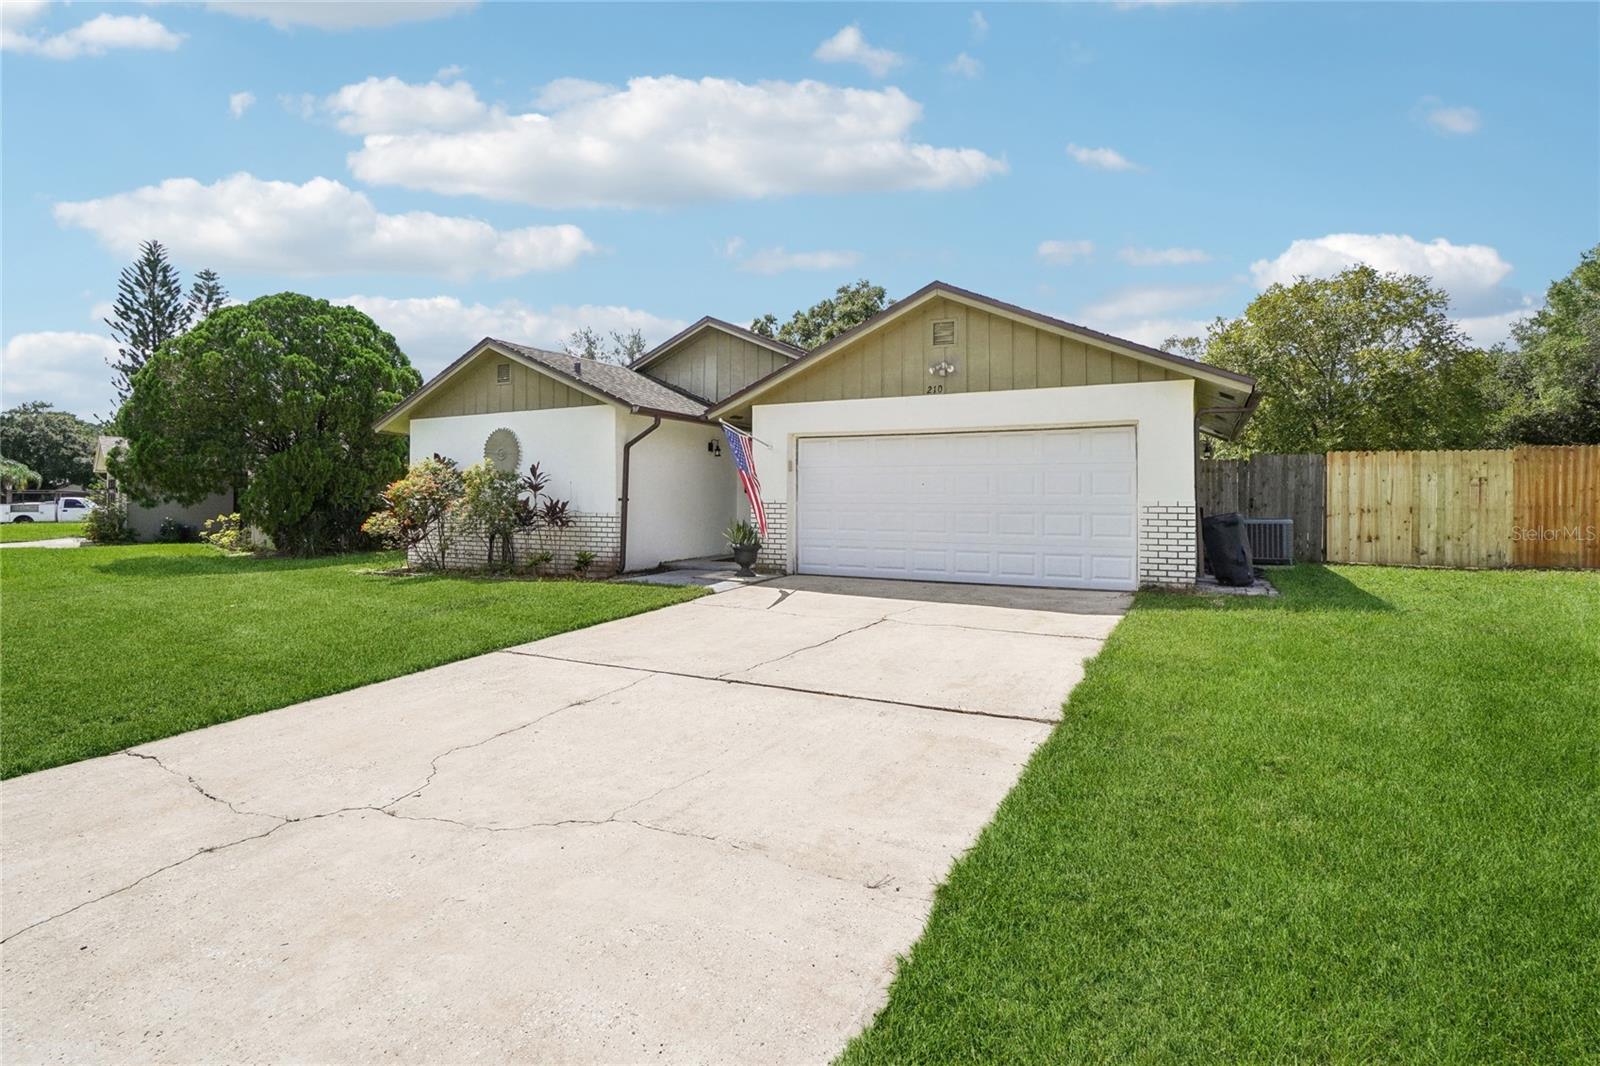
{"points": [[146, 521], [951, 437]]}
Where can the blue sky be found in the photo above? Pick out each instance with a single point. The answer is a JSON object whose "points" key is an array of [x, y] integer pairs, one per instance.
{"points": [[519, 170]]}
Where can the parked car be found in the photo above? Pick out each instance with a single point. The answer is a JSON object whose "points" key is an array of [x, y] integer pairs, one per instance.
{"points": [[66, 509]]}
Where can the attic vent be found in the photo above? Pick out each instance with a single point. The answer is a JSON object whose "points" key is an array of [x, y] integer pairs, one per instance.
{"points": [[944, 333], [502, 374]]}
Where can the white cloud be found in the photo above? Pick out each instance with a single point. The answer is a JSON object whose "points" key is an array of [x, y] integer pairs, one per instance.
{"points": [[1060, 253], [435, 330], [1156, 331], [450, 72], [67, 369], [340, 14], [965, 66], [99, 35], [15, 14], [321, 227], [849, 45], [1448, 119], [979, 24], [389, 105], [779, 261], [1489, 330], [1151, 257], [1101, 158], [565, 92], [1144, 303], [669, 140], [239, 103], [1471, 273]]}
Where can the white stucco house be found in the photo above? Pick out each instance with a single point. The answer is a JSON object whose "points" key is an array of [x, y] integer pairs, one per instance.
{"points": [[951, 437]]}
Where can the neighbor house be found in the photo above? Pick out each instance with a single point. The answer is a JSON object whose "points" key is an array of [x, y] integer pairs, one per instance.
{"points": [[951, 437], [146, 521]]}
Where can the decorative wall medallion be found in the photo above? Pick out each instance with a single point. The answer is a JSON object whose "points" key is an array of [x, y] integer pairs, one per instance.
{"points": [[503, 451]]}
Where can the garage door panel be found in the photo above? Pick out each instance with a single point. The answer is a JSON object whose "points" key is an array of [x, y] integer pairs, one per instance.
{"points": [[1050, 507]]}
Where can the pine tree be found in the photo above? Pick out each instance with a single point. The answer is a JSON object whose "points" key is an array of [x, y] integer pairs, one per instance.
{"points": [[150, 309], [206, 295]]}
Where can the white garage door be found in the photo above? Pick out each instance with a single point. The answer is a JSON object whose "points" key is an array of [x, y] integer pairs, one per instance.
{"points": [[1037, 507]]}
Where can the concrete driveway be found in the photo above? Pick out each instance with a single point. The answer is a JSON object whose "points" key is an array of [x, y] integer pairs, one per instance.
{"points": [[704, 833]]}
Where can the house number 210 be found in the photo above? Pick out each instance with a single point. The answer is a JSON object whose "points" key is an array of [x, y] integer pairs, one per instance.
{"points": [[935, 390]]}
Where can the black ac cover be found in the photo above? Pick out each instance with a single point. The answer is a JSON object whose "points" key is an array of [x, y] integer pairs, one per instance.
{"points": [[1228, 549]]}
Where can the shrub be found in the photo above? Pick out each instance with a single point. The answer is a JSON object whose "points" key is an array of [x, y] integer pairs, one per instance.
{"points": [[227, 532], [542, 558], [417, 510], [491, 501], [581, 562], [172, 531], [108, 524]]}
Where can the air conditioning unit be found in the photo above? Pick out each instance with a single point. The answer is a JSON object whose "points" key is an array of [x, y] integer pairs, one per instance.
{"points": [[1271, 540]]}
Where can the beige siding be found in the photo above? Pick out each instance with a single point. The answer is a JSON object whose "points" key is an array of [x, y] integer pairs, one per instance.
{"points": [[714, 365], [991, 353], [474, 391]]}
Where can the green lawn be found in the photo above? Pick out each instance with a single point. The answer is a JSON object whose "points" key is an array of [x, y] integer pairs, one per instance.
{"points": [[19, 532], [1356, 824], [103, 648]]}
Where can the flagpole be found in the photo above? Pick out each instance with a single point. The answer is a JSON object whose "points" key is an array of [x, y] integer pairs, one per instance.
{"points": [[752, 436]]}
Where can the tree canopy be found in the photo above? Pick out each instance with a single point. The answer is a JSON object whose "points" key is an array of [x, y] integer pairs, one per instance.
{"points": [[622, 348], [58, 445], [849, 306], [1359, 360], [275, 398], [1550, 377]]}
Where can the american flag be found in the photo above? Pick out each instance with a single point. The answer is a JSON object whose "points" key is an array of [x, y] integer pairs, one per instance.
{"points": [[745, 460]]}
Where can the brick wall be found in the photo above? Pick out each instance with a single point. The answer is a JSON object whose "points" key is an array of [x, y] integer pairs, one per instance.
{"points": [[599, 533], [1166, 544], [774, 554]]}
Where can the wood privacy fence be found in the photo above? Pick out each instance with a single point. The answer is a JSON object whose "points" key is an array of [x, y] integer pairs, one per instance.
{"points": [[1532, 506], [1272, 486]]}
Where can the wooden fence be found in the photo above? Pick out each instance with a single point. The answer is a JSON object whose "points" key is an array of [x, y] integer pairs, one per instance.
{"points": [[1271, 486], [1531, 506]]}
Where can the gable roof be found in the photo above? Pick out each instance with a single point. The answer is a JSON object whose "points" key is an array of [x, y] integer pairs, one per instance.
{"points": [[1191, 367], [788, 351], [603, 381]]}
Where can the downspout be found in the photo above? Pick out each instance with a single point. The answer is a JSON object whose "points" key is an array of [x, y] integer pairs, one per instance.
{"points": [[627, 449]]}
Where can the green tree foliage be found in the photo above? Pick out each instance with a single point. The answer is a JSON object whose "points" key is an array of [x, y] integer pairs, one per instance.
{"points": [[621, 348], [849, 306], [15, 475], [417, 509], [1550, 379], [57, 444], [1359, 360], [206, 295], [276, 398]]}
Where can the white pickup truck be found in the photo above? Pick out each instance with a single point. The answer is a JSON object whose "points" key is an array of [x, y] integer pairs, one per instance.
{"points": [[66, 509]]}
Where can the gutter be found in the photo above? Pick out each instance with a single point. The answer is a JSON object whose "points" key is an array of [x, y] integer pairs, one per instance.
{"points": [[627, 458]]}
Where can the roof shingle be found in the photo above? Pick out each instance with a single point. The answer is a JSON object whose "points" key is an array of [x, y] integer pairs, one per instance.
{"points": [[618, 382]]}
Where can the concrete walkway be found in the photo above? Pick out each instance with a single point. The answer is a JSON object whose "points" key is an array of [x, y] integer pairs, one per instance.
{"points": [[703, 833], [53, 542]]}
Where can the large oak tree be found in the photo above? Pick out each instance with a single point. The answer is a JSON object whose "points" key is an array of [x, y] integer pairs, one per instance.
{"points": [[1358, 360]]}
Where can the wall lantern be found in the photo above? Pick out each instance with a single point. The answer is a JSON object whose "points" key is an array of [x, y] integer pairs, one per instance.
{"points": [[714, 447], [944, 369]]}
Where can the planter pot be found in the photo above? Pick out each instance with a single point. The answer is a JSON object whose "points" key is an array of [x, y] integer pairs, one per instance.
{"points": [[745, 556]]}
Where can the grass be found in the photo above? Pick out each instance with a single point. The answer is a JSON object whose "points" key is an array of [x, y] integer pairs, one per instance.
{"points": [[21, 532], [1358, 823], [104, 648]]}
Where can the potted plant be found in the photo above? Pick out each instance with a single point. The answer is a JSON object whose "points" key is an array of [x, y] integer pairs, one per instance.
{"points": [[746, 543]]}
